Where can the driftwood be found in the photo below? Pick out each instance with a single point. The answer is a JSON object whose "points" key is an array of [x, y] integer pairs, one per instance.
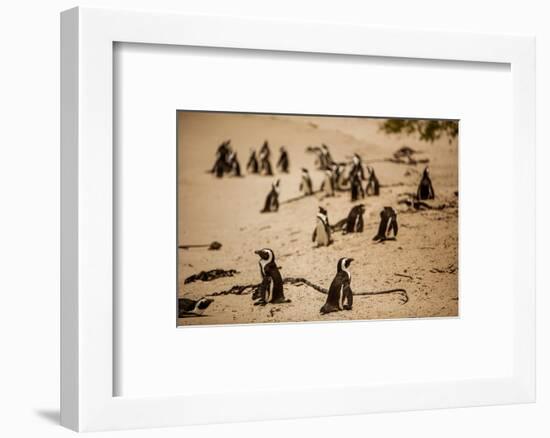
{"points": [[213, 274], [240, 289]]}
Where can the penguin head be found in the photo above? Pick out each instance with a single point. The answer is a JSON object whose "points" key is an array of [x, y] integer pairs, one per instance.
{"points": [[275, 185], [356, 158], [427, 171], [266, 254], [322, 211], [344, 263], [361, 208], [304, 170], [203, 303], [325, 147]]}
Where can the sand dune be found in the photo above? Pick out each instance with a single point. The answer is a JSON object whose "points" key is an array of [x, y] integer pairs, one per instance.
{"points": [[228, 210]]}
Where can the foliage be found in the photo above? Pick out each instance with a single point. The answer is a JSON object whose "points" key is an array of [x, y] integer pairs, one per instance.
{"points": [[428, 130]]}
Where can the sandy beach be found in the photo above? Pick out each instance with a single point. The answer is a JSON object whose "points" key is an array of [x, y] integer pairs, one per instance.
{"points": [[423, 259]]}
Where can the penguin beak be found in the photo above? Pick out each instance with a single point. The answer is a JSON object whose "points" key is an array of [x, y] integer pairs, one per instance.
{"points": [[350, 260], [258, 252]]}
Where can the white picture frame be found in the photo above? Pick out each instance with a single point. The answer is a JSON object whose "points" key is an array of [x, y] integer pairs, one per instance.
{"points": [[87, 342]]}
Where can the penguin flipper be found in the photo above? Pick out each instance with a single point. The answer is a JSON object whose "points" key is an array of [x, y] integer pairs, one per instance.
{"points": [[314, 235]]}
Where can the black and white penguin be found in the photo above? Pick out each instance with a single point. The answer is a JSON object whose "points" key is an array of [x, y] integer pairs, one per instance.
{"points": [[233, 163], [321, 233], [252, 165], [221, 163], [188, 307], [373, 185], [325, 159], [265, 163], [357, 167], [388, 222], [327, 186], [306, 187], [271, 287], [425, 188], [356, 188], [340, 289], [283, 163], [354, 222], [272, 199]]}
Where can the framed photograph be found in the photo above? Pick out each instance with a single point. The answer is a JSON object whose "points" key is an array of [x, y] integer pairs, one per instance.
{"points": [[337, 222]]}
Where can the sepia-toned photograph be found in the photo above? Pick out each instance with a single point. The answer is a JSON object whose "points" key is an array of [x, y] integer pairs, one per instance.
{"points": [[304, 218]]}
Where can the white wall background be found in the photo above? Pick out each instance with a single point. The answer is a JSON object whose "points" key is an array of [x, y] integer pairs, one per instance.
{"points": [[29, 219]]}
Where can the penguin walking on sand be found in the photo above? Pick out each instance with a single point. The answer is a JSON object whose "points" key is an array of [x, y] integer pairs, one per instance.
{"points": [[321, 233], [272, 199], [425, 188], [340, 295], [189, 307], [327, 186], [373, 185], [252, 165], [265, 163], [283, 163], [306, 187], [388, 223], [354, 222], [271, 287]]}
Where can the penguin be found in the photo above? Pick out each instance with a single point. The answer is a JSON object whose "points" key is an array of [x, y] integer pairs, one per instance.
{"points": [[357, 167], [220, 165], [265, 164], [340, 289], [356, 187], [388, 222], [283, 162], [187, 307], [252, 165], [272, 199], [325, 158], [233, 163], [271, 287], [354, 222], [373, 185], [321, 233], [425, 188], [327, 186], [306, 187]]}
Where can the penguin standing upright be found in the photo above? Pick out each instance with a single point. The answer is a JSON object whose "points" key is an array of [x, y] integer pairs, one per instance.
{"points": [[234, 166], [354, 222], [271, 287], [327, 186], [321, 233], [425, 188], [325, 158], [388, 222], [252, 165], [306, 187], [220, 165], [357, 167], [272, 199], [265, 163], [283, 162], [356, 188], [340, 289], [373, 185]]}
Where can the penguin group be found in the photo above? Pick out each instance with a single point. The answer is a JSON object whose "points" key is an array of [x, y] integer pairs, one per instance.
{"points": [[344, 176]]}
